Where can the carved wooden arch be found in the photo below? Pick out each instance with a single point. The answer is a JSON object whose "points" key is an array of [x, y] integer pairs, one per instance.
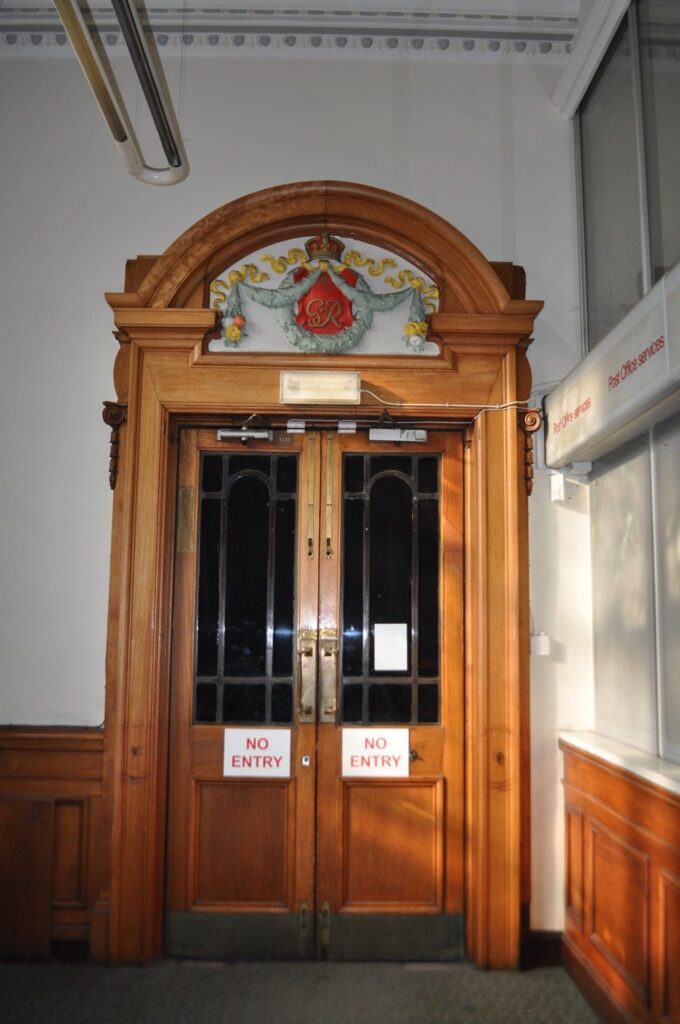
{"points": [[163, 373], [467, 281]]}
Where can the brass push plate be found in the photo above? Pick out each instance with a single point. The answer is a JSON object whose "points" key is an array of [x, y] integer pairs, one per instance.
{"points": [[328, 676], [306, 651]]}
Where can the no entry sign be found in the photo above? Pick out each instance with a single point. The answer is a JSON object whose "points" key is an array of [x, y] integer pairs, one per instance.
{"points": [[375, 752], [257, 753]]}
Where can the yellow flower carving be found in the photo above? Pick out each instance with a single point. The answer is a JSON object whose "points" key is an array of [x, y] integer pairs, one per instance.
{"points": [[416, 327], [232, 333]]}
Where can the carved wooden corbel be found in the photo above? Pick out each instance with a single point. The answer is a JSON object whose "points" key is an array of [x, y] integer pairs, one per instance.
{"points": [[529, 421], [114, 415]]}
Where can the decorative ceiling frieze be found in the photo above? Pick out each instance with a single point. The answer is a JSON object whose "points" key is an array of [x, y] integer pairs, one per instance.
{"points": [[357, 34]]}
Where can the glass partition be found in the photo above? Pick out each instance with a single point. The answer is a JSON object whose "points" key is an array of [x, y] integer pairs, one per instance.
{"points": [[611, 191], [659, 29]]}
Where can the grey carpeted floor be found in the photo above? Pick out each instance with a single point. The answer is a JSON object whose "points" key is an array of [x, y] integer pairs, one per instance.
{"points": [[188, 992]]}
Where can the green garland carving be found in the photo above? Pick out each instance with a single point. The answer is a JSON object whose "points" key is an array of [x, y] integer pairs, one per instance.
{"points": [[365, 304]]}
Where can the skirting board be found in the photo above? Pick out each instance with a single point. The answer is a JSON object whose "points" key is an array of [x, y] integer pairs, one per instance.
{"points": [[591, 987], [542, 949]]}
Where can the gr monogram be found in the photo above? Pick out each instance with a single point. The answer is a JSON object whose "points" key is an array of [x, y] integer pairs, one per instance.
{"points": [[322, 312]]}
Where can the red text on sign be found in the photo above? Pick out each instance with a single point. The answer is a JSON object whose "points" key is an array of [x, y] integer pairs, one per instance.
{"points": [[375, 760], [256, 760], [630, 366], [572, 415], [257, 743]]}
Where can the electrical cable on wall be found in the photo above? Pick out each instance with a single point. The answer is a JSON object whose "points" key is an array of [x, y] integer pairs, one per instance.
{"points": [[481, 409]]}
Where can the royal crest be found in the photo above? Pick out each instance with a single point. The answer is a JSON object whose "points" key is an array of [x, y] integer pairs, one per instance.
{"points": [[324, 309], [323, 303]]}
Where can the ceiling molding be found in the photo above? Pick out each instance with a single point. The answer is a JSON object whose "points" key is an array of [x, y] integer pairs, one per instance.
{"points": [[590, 46], [365, 34]]}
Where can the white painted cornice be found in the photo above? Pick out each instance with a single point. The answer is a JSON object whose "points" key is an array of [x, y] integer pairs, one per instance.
{"points": [[487, 30], [590, 46]]}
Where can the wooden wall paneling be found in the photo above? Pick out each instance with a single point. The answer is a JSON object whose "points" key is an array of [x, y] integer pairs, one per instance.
{"points": [[602, 785], [626, 832], [70, 838], [573, 875], [669, 943], [603, 1000], [54, 761], [26, 841], [74, 868], [61, 768], [619, 912]]}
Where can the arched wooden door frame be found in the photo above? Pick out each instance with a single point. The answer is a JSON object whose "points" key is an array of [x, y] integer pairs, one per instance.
{"points": [[162, 374]]}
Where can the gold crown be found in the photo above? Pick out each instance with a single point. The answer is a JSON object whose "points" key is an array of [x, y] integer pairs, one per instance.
{"points": [[324, 247]]}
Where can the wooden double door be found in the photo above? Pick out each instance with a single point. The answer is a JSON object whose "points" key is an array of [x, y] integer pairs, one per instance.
{"points": [[315, 803]]}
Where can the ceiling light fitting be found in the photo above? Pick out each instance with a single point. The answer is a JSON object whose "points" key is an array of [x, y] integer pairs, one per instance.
{"points": [[113, 110]]}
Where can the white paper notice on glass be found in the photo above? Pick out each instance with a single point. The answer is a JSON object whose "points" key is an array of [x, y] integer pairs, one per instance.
{"points": [[390, 647], [257, 753]]}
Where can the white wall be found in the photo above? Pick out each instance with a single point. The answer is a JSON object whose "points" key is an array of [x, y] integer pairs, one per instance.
{"points": [[561, 682], [481, 145]]}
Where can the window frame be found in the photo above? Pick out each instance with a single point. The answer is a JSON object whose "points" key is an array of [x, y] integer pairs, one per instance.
{"points": [[629, 14]]}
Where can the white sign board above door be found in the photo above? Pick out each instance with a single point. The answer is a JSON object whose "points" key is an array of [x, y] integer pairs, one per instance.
{"points": [[257, 753], [375, 753]]}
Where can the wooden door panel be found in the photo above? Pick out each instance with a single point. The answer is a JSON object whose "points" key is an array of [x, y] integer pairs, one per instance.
{"points": [[390, 852], [392, 846], [281, 867], [235, 856], [243, 845]]}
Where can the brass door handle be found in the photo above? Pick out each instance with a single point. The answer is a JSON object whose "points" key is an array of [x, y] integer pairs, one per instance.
{"points": [[306, 675], [329, 653], [317, 652]]}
